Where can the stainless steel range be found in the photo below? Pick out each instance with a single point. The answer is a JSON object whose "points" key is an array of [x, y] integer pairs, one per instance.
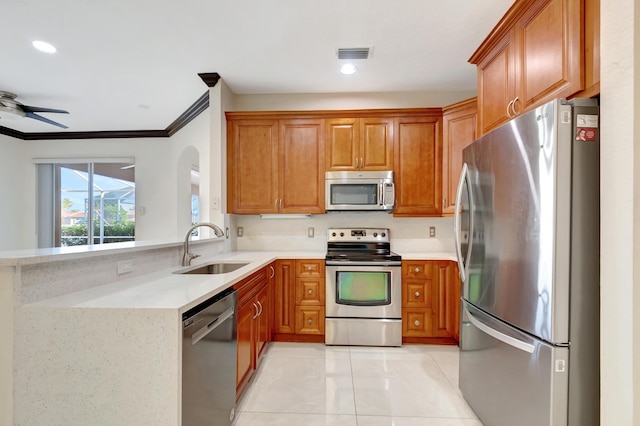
{"points": [[364, 288]]}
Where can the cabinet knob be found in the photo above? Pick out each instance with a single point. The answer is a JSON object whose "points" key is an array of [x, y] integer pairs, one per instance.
{"points": [[309, 321], [309, 291], [309, 268], [417, 294], [417, 323], [417, 269]]}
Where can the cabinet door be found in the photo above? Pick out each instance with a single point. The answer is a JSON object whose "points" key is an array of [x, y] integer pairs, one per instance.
{"points": [[244, 356], [458, 132], [496, 84], [418, 166], [447, 297], [376, 144], [551, 59], [359, 144], [592, 48], [342, 144], [262, 333], [302, 166], [284, 293], [252, 169]]}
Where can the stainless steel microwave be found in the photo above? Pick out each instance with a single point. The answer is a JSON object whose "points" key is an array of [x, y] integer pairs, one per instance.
{"points": [[360, 191]]}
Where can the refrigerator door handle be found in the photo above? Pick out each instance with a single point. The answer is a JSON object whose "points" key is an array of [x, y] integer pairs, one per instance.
{"points": [[511, 341], [457, 226]]}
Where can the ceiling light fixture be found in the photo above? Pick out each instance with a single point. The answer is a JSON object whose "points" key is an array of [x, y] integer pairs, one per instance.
{"points": [[43, 46], [348, 69]]}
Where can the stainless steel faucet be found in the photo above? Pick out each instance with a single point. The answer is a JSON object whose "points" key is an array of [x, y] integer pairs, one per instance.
{"points": [[187, 257]]}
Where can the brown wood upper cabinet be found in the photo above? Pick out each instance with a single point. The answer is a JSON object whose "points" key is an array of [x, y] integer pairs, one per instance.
{"points": [[533, 55], [275, 165], [359, 144], [458, 132], [418, 164]]}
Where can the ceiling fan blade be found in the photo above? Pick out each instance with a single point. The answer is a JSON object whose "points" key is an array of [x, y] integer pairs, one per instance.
{"points": [[46, 120], [28, 108]]}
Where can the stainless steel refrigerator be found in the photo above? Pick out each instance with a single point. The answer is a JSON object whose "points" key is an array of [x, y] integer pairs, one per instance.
{"points": [[527, 239]]}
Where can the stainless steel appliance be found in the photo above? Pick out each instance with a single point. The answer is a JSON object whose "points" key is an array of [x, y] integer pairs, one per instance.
{"points": [[209, 361], [527, 237], [363, 289], [359, 191]]}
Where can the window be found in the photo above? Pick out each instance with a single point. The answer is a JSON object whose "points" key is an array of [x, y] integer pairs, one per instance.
{"points": [[195, 196], [85, 203]]}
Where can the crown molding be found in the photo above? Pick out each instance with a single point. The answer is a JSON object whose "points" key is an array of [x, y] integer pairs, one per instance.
{"points": [[201, 104]]}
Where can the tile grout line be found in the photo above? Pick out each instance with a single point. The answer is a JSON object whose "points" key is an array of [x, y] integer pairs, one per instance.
{"points": [[353, 386]]}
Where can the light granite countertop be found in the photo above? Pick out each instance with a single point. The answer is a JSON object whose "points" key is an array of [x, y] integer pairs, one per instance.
{"points": [[165, 289]]}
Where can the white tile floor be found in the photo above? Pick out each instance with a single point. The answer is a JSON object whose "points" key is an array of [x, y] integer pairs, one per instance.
{"points": [[312, 385]]}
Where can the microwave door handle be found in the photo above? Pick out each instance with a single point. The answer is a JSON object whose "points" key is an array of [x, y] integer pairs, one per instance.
{"points": [[381, 200]]}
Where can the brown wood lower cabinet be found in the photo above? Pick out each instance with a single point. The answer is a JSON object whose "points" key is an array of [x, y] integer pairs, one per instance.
{"points": [[299, 300], [254, 330], [430, 302]]}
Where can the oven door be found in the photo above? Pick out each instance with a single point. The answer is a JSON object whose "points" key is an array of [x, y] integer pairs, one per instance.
{"points": [[363, 291]]}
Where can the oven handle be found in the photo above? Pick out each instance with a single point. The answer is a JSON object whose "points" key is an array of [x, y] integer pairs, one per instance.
{"points": [[354, 263]]}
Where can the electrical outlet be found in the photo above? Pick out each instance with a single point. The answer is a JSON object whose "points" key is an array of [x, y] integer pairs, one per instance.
{"points": [[240, 231], [432, 232], [311, 232], [125, 266]]}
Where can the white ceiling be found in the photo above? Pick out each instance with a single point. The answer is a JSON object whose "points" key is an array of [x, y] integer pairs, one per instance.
{"points": [[133, 65]]}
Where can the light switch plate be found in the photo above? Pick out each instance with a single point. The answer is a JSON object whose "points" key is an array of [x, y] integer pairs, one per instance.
{"points": [[311, 232]]}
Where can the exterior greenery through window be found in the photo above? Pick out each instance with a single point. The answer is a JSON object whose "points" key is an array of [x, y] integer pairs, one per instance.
{"points": [[96, 203]]}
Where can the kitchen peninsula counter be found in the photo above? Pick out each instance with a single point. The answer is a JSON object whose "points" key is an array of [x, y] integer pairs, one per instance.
{"points": [[94, 347]]}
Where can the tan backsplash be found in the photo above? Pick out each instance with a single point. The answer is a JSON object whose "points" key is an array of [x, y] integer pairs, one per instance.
{"points": [[407, 234]]}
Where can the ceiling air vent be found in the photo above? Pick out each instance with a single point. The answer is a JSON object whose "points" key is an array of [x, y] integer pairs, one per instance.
{"points": [[355, 53]]}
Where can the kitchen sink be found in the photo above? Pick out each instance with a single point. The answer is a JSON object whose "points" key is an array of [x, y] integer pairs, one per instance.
{"points": [[212, 268]]}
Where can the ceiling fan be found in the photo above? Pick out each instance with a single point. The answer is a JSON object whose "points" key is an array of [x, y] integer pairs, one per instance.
{"points": [[9, 104]]}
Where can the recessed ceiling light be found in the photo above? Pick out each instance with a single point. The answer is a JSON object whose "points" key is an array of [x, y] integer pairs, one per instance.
{"points": [[44, 46], [348, 69]]}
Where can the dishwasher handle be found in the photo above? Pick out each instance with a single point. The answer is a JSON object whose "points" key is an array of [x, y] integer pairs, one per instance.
{"points": [[202, 333]]}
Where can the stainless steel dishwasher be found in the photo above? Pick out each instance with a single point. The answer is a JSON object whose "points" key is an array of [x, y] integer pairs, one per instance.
{"points": [[209, 361]]}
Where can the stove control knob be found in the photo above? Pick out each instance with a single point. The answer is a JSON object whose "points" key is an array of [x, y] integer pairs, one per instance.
{"points": [[375, 234], [384, 234], [333, 234], [342, 234]]}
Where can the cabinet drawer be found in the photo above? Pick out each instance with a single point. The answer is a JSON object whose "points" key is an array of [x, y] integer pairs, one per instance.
{"points": [[416, 269], [310, 320], [310, 291], [310, 268], [417, 293], [417, 322], [248, 287]]}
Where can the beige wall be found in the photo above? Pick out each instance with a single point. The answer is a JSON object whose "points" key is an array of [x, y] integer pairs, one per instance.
{"points": [[341, 101], [620, 195], [14, 198]]}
